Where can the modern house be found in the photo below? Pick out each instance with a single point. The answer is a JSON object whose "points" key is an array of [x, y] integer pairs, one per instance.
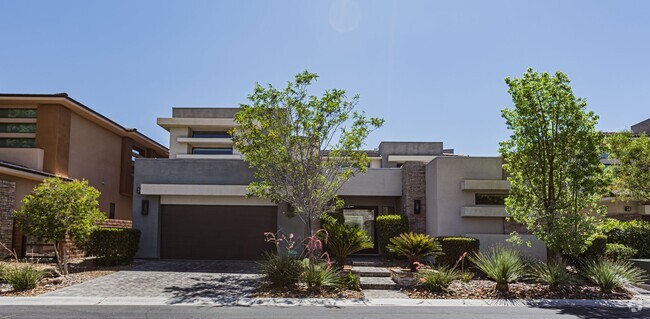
{"points": [[194, 205], [45, 135]]}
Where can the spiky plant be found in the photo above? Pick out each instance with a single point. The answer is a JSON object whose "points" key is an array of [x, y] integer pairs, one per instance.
{"points": [[344, 240], [438, 278], [552, 274], [610, 275], [414, 247], [318, 275], [280, 271], [501, 264]]}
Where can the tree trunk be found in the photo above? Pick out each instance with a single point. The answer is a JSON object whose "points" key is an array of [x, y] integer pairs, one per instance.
{"points": [[553, 256], [502, 286]]}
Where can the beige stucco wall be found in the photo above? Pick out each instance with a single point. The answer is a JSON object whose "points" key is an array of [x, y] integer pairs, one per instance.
{"points": [[445, 197], [23, 187], [28, 157], [95, 155]]}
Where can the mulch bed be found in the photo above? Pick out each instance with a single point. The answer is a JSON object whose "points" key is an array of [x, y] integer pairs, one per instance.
{"points": [[303, 292], [80, 270], [484, 289]]}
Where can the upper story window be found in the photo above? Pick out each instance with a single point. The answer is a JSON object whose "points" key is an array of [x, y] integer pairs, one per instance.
{"points": [[18, 113], [212, 150], [17, 128], [207, 134], [17, 142], [490, 199]]}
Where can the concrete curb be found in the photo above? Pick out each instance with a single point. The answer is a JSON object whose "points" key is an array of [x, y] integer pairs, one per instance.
{"points": [[292, 302]]}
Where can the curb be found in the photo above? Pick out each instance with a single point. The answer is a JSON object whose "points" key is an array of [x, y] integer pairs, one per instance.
{"points": [[293, 302]]}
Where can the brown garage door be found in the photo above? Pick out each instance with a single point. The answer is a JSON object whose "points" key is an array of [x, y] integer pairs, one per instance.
{"points": [[215, 232]]}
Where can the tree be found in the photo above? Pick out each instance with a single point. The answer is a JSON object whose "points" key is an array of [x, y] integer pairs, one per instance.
{"points": [[631, 170], [302, 148], [58, 209], [553, 162]]}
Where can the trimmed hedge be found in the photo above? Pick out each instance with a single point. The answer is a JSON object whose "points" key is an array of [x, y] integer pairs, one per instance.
{"points": [[619, 252], [113, 246], [389, 226], [454, 247], [634, 234]]}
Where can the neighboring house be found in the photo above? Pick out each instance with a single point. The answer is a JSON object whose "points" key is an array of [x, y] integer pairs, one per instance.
{"points": [[193, 205], [45, 135]]}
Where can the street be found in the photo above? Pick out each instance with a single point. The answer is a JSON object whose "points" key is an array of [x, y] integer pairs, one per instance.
{"points": [[163, 312]]}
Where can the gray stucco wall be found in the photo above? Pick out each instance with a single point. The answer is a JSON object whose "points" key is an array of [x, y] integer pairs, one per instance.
{"points": [[407, 148], [203, 112]]}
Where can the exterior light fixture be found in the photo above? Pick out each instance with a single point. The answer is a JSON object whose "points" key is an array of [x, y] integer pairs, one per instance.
{"points": [[416, 207]]}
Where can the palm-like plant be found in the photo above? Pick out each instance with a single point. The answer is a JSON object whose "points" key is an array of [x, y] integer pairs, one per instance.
{"points": [[438, 278], [503, 265], [414, 247], [317, 275], [344, 240], [609, 275], [552, 274]]}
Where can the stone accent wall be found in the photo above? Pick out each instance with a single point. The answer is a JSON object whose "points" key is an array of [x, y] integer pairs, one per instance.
{"points": [[117, 223], [414, 188], [7, 197]]}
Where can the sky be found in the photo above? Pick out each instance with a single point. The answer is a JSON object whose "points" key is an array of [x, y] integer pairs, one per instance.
{"points": [[433, 70]]}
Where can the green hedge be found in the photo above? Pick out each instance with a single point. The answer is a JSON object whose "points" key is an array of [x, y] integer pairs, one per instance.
{"points": [[619, 252], [389, 226], [634, 234], [113, 246], [454, 247], [595, 251]]}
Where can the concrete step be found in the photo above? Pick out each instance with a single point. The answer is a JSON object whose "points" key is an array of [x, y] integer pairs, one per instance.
{"points": [[365, 271], [366, 263], [378, 283]]}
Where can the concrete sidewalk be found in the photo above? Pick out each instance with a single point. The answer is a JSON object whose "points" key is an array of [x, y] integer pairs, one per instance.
{"points": [[289, 302]]}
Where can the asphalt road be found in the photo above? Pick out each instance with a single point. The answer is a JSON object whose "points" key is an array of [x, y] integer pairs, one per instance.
{"points": [[163, 312]]}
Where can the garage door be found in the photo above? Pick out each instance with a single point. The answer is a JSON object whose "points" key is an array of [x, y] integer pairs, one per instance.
{"points": [[215, 232]]}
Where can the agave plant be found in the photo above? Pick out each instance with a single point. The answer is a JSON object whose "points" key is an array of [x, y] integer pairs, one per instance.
{"points": [[344, 240], [501, 264], [414, 247], [609, 275], [317, 275], [438, 278], [552, 274]]}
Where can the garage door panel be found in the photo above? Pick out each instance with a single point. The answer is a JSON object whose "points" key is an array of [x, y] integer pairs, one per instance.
{"points": [[216, 232]]}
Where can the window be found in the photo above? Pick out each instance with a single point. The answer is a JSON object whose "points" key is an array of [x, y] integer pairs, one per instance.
{"points": [[212, 150], [17, 128], [17, 142], [211, 134], [18, 113], [111, 211], [490, 199]]}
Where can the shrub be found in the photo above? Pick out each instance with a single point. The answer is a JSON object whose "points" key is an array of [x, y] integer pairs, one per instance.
{"points": [[609, 275], [596, 250], [3, 271], [552, 274], [619, 252], [634, 234], [414, 247], [113, 246], [344, 240], [454, 247], [438, 278], [350, 282], [318, 275], [23, 277], [389, 226], [501, 264], [280, 271]]}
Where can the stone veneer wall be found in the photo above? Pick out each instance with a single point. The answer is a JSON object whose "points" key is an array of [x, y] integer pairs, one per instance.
{"points": [[74, 252], [7, 197], [414, 188]]}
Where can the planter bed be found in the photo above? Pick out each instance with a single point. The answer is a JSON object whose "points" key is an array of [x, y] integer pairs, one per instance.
{"points": [[303, 292], [79, 271], [484, 289]]}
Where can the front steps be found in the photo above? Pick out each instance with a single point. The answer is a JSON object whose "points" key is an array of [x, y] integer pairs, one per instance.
{"points": [[372, 275], [378, 283]]}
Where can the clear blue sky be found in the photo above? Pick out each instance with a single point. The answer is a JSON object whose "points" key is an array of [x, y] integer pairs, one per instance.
{"points": [[434, 70]]}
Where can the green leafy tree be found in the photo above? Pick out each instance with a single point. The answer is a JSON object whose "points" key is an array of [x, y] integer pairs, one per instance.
{"points": [[553, 162], [631, 170], [58, 209], [283, 133]]}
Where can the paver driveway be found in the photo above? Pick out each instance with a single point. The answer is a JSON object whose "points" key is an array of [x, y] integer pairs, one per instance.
{"points": [[179, 281]]}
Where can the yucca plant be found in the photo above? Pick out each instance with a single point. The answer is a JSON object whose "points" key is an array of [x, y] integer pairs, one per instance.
{"points": [[343, 240], [609, 275], [414, 247], [501, 264], [317, 275], [438, 278], [23, 277], [280, 271], [553, 274]]}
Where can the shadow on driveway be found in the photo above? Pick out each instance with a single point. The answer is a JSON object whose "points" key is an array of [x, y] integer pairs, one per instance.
{"points": [[225, 289]]}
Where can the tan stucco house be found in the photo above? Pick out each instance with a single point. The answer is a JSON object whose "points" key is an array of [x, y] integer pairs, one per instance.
{"points": [[43, 135]]}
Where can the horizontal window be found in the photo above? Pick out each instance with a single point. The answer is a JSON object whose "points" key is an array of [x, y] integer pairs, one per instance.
{"points": [[490, 199], [17, 142], [17, 128], [212, 150], [205, 134], [18, 113]]}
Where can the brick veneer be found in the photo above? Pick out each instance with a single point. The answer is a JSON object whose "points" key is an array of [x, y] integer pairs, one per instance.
{"points": [[414, 188], [7, 197], [74, 252]]}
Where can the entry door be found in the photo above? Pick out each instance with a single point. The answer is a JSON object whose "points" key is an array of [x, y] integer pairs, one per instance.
{"points": [[364, 218]]}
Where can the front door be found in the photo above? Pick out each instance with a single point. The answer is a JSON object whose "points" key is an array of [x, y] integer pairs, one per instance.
{"points": [[364, 218]]}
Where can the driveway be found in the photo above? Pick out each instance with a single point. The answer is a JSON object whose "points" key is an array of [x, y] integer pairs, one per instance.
{"points": [[178, 281]]}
